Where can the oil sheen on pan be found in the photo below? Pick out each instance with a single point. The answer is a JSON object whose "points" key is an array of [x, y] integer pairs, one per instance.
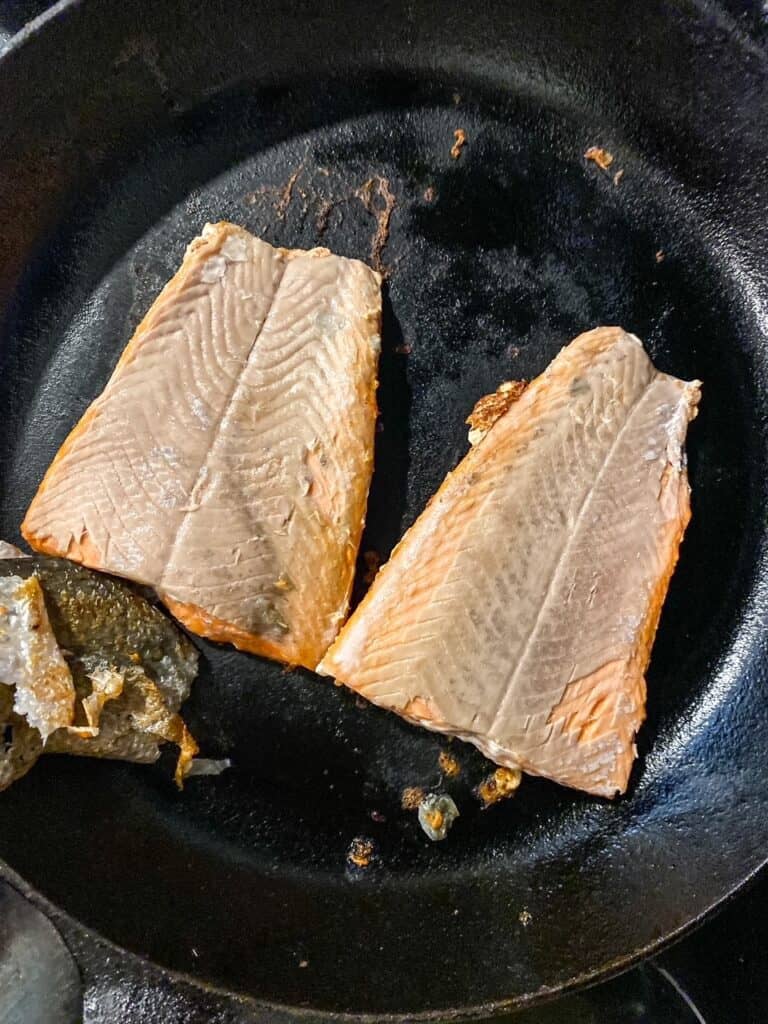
{"points": [[519, 611], [228, 460]]}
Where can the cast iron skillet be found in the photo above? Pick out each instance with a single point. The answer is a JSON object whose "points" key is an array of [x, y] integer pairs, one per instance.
{"points": [[124, 126]]}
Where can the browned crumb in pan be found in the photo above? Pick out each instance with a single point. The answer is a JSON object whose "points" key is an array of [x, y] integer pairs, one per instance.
{"points": [[411, 797], [599, 156], [500, 785], [437, 813], [360, 852], [449, 764], [460, 137]]}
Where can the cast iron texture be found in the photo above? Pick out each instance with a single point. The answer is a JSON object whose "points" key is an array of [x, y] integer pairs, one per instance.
{"points": [[123, 127]]}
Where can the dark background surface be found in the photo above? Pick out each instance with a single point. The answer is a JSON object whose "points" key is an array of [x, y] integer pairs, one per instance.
{"points": [[720, 970], [721, 967]]}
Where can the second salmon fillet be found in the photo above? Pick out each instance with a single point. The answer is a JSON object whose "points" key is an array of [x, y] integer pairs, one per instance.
{"points": [[228, 460], [519, 611]]}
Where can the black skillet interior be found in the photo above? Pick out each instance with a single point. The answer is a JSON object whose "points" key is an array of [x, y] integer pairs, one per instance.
{"points": [[123, 128]]}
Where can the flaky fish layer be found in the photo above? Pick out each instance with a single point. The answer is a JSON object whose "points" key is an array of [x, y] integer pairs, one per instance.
{"points": [[228, 460], [519, 611]]}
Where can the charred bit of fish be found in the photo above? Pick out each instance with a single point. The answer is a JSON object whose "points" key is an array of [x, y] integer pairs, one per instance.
{"points": [[361, 852], [449, 764], [460, 141], [492, 407], [411, 797], [437, 813], [599, 156], [499, 785]]}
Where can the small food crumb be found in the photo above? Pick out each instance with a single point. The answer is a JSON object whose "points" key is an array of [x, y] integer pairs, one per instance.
{"points": [[303, 963], [457, 98], [498, 786], [660, 256], [377, 816], [135, 657], [194, 952], [207, 766], [449, 766], [618, 176], [411, 798], [599, 156], [461, 140], [372, 561], [437, 812], [525, 917], [360, 852], [403, 350], [429, 195]]}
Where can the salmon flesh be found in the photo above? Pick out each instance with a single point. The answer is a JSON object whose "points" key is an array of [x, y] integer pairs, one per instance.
{"points": [[228, 460], [519, 611]]}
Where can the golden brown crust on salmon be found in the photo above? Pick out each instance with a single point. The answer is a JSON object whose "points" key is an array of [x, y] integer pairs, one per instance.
{"points": [[201, 623], [489, 408]]}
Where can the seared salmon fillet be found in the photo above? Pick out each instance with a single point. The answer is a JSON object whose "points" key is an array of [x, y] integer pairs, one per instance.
{"points": [[227, 462], [519, 610]]}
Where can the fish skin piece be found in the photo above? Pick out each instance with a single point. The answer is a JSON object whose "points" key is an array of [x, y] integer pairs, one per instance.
{"points": [[10, 550], [228, 460], [30, 659], [20, 744], [519, 611], [131, 666]]}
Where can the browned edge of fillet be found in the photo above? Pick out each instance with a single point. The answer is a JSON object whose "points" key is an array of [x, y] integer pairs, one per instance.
{"points": [[202, 623]]}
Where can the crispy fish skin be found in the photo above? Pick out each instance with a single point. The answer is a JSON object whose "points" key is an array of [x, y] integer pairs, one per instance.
{"points": [[519, 610], [30, 659], [228, 460], [131, 666], [20, 744]]}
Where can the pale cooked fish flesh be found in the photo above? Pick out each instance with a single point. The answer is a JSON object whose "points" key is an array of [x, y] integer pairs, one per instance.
{"points": [[519, 611], [227, 462]]}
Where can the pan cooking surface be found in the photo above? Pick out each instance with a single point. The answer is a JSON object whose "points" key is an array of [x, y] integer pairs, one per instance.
{"points": [[493, 261]]}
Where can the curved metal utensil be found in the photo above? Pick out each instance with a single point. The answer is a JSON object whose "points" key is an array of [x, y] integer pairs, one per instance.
{"points": [[39, 980]]}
